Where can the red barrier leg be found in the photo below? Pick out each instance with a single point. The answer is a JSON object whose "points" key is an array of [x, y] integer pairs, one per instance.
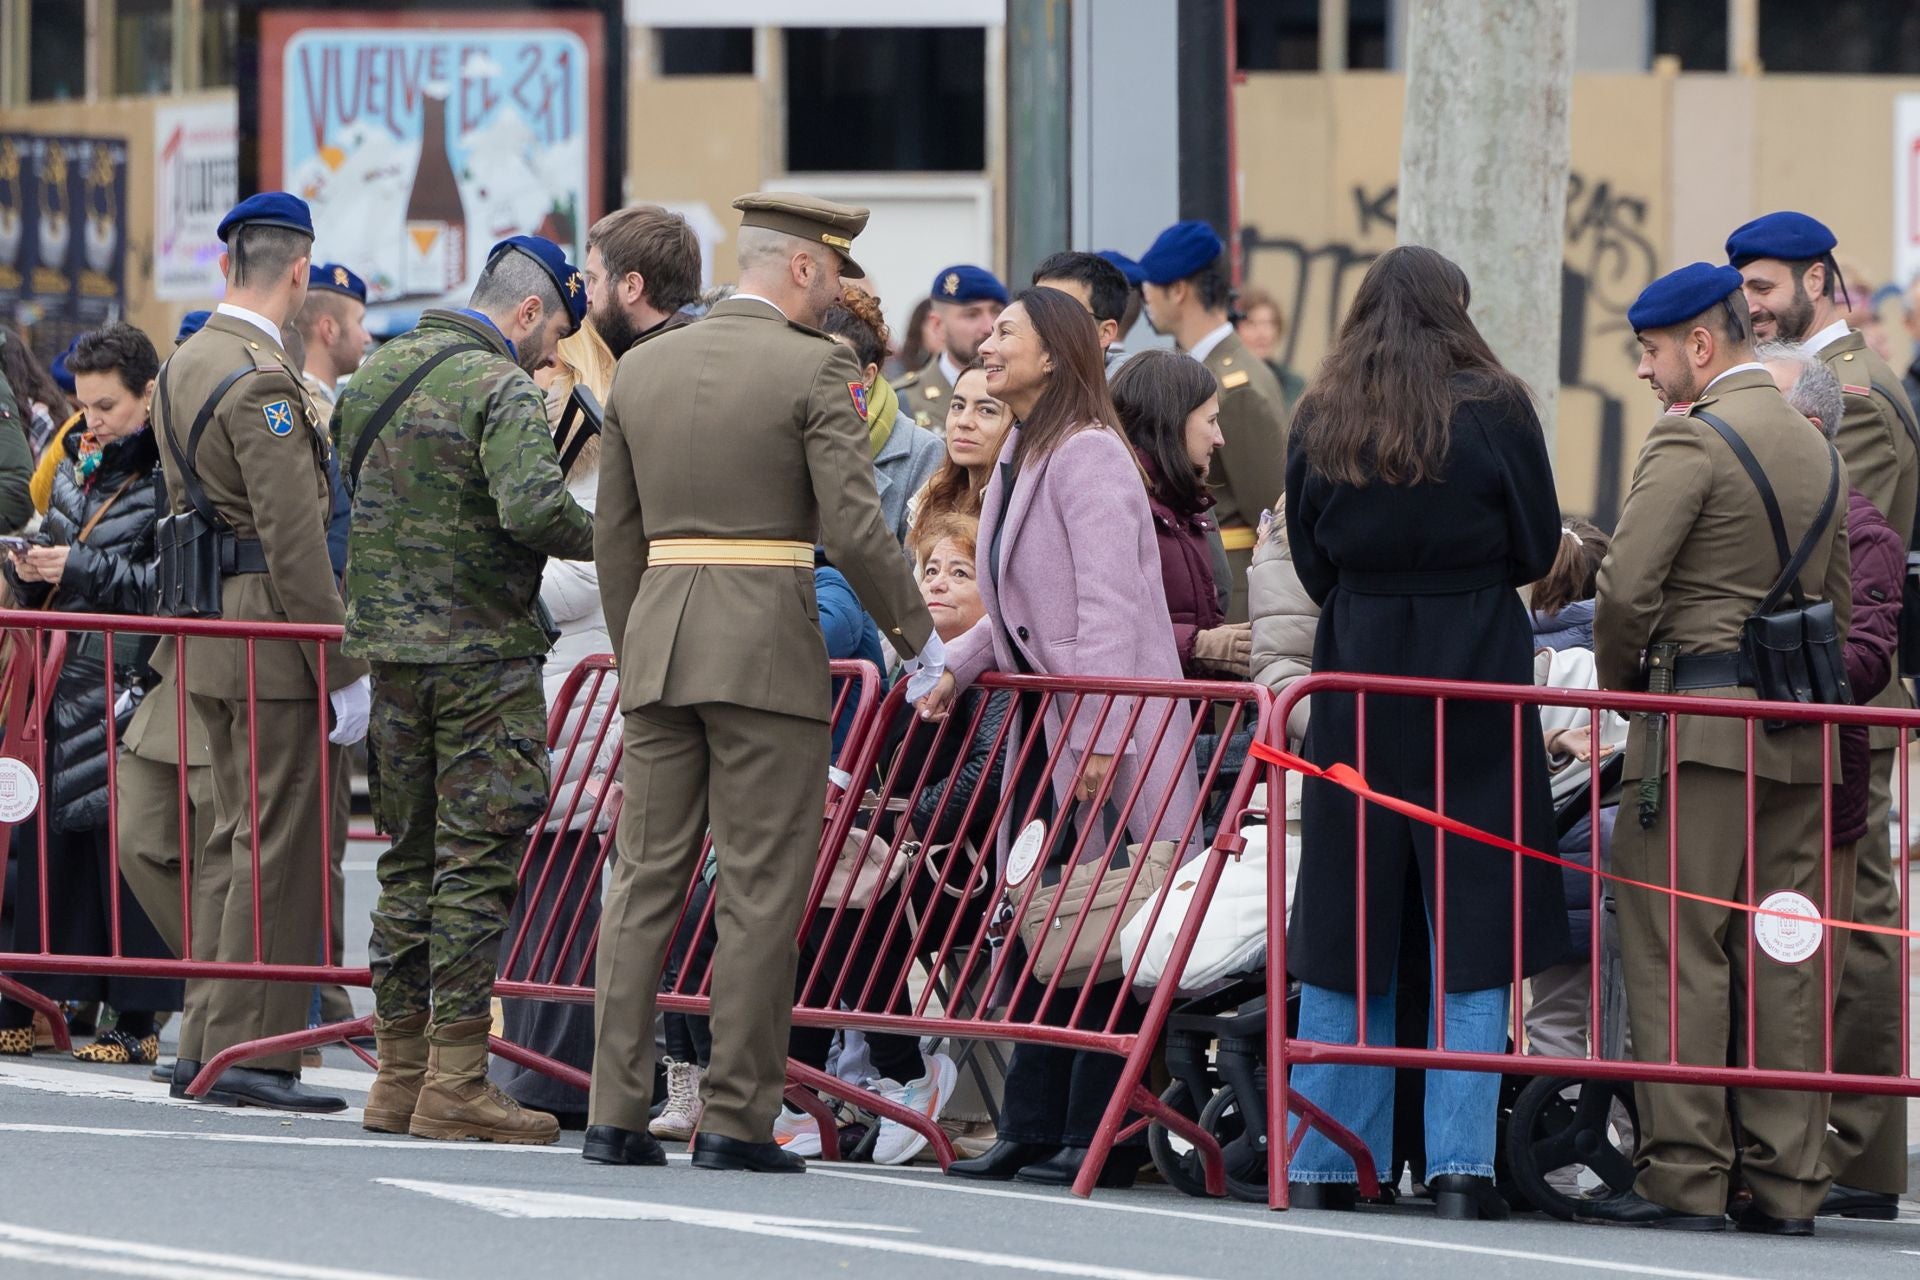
{"points": [[1211, 1160], [292, 1042], [552, 1068], [46, 1006], [1340, 1136], [833, 1086], [809, 1101]]}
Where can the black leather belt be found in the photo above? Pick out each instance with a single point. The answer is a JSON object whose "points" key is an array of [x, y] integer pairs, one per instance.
{"points": [[241, 555], [1709, 671]]}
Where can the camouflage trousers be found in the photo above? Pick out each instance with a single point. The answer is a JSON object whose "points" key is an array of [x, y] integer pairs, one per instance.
{"points": [[463, 779]]}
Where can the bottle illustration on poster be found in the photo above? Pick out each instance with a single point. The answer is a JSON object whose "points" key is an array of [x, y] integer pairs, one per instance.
{"points": [[435, 251]]}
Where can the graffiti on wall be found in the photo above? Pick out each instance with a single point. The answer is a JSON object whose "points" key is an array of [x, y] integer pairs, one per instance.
{"points": [[1609, 259]]}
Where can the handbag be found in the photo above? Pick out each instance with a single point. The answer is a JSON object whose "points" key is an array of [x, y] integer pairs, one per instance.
{"points": [[1793, 654], [1093, 900], [871, 865]]}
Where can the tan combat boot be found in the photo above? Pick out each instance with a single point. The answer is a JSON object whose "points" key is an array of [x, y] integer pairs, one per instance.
{"points": [[458, 1101], [402, 1046]]}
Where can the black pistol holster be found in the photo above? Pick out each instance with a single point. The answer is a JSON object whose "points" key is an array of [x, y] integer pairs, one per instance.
{"points": [[198, 548]]}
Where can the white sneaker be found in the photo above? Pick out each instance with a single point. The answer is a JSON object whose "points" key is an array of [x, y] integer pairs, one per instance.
{"points": [[681, 1116], [797, 1133], [896, 1143]]}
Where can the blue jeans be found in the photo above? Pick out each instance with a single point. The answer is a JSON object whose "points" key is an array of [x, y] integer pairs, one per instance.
{"points": [[1462, 1106]]}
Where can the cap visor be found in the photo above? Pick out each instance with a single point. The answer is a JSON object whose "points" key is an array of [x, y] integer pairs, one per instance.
{"points": [[849, 269]]}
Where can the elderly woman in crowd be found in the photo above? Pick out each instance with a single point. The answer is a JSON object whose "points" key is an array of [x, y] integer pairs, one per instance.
{"points": [[1069, 551], [95, 555], [904, 452], [1419, 498], [976, 426]]}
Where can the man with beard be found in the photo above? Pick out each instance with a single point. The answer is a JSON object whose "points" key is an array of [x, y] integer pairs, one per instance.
{"points": [[966, 301], [458, 501], [643, 270], [1794, 291]]}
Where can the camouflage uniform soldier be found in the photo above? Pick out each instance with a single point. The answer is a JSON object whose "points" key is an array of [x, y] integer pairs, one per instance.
{"points": [[459, 503]]}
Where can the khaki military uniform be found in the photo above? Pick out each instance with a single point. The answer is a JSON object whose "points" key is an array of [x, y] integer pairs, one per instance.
{"points": [[924, 394], [1868, 1146], [262, 463], [1250, 467], [737, 428], [1692, 559]]}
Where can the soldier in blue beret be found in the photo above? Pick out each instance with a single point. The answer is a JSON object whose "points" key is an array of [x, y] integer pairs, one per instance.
{"points": [[1693, 558], [190, 324], [1797, 294], [966, 301], [1187, 292], [333, 330]]}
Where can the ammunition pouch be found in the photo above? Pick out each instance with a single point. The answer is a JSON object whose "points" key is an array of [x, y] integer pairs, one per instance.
{"points": [[197, 548]]}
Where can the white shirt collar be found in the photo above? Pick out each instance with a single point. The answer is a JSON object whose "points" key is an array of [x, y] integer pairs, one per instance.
{"points": [[253, 318], [1828, 336], [1739, 368], [1204, 348], [949, 370], [754, 297]]}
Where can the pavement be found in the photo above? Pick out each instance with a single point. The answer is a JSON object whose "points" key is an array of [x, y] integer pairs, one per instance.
{"points": [[102, 1174]]}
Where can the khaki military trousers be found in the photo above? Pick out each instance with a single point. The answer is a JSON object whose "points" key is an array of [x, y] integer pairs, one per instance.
{"points": [[335, 1004], [149, 816], [1686, 1137], [760, 778], [1867, 1147], [293, 859]]}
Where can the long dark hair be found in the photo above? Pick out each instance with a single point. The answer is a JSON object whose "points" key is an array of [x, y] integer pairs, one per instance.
{"points": [[1381, 406], [1153, 395], [1576, 567], [1076, 393], [29, 378]]}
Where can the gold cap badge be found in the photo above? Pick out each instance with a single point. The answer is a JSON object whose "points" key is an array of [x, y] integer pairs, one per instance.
{"points": [[340, 276], [951, 285]]}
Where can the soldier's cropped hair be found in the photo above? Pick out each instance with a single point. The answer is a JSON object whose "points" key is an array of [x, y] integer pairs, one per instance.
{"points": [[1104, 281], [1728, 318], [510, 279], [1212, 286], [1798, 267], [1815, 393], [321, 302], [118, 348], [659, 245], [759, 248], [258, 253]]}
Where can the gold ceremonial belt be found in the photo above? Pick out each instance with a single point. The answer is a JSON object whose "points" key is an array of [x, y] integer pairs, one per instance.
{"points": [[1237, 537], [748, 552]]}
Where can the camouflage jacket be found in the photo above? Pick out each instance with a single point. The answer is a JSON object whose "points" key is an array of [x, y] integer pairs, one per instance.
{"points": [[460, 501]]}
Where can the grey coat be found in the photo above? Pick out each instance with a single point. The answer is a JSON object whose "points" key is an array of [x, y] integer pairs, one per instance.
{"points": [[911, 455]]}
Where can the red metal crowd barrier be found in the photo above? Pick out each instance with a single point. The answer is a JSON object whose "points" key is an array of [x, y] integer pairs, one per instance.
{"points": [[1504, 851]]}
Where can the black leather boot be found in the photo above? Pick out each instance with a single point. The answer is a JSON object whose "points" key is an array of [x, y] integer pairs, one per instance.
{"points": [[1000, 1161], [1465, 1197], [1063, 1167], [1337, 1196], [610, 1144]]}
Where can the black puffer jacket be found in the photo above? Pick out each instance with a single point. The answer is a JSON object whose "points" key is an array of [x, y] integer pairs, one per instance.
{"points": [[110, 572]]}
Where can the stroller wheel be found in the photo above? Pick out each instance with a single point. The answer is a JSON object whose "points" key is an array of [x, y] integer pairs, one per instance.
{"points": [[1246, 1159], [1569, 1138], [1178, 1162]]}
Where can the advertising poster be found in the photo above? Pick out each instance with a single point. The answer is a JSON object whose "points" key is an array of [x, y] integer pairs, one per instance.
{"points": [[63, 220], [196, 168], [422, 139]]}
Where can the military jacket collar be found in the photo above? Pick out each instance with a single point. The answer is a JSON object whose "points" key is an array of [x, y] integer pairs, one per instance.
{"points": [[467, 326], [1736, 379]]}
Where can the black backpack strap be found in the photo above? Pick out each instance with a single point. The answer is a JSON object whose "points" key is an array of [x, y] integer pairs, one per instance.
{"points": [[1794, 562], [580, 421], [195, 494], [391, 405]]}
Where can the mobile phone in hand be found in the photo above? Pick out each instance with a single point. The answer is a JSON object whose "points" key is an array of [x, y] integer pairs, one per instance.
{"points": [[15, 545]]}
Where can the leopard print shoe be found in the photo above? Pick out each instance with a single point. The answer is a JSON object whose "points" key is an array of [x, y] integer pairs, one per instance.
{"points": [[117, 1048], [16, 1042]]}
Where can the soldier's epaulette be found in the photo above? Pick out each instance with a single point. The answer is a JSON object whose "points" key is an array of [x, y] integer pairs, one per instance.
{"points": [[1852, 390], [1680, 409], [907, 380]]}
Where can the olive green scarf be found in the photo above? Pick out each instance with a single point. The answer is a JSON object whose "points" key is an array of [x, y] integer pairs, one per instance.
{"points": [[883, 406]]}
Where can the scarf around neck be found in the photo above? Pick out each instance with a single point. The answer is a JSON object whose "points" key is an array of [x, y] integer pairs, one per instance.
{"points": [[883, 407]]}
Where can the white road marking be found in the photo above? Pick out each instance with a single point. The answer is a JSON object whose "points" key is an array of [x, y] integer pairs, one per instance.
{"points": [[98, 1255], [509, 1202], [281, 1139], [79, 1082], [1271, 1222]]}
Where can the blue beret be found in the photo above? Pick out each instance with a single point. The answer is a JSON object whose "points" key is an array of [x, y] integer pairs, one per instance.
{"points": [[190, 324], [566, 277], [1682, 295], [1128, 267], [1183, 249], [62, 377], [963, 284], [335, 278], [269, 209], [1792, 237]]}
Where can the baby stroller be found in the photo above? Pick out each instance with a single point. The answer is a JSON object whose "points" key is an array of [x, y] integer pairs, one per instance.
{"points": [[1227, 1095]]}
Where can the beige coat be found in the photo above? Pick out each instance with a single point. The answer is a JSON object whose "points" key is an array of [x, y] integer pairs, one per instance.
{"points": [[1285, 619]]}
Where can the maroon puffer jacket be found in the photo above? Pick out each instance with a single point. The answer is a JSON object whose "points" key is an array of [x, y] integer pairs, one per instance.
{"points": [[1186, 567], [1879, 568]]}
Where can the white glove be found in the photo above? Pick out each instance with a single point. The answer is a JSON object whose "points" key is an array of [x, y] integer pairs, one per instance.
{"points": [[351, 707], [925, 669]]}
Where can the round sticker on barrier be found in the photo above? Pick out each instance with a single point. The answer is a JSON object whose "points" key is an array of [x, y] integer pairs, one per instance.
{"points": [[1025, 852], [1785, 939], [19, 790]]}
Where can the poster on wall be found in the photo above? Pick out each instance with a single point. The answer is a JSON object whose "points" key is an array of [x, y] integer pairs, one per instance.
{"points": [[63, 240], [1906, 188], [196, 175], [421, 139]]}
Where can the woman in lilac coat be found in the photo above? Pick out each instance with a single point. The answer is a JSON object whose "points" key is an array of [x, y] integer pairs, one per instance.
{"points": [[1070, 574]]}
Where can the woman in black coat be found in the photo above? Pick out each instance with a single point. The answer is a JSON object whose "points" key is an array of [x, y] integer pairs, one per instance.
{"points": [[95, 556], [1419, 497]]}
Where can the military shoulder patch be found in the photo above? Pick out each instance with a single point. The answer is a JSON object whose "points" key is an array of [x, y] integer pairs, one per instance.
{"points": [[1238, 378], [1852, 390], [279, 415], [1679, 408], [858, 390]]}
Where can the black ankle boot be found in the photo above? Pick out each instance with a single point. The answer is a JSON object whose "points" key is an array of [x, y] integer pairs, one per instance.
{"points": [[1000, 1161], [1339, 1196], [1464, 1197], [1062, 1168]]}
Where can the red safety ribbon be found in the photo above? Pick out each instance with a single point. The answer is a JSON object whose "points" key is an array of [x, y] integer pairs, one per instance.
{"points": [[1348, 778]]}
